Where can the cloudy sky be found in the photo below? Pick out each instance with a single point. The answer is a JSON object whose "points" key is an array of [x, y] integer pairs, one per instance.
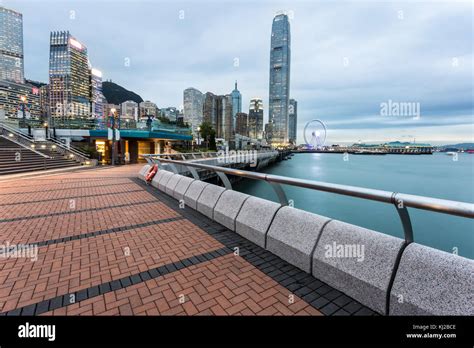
{"points": [[348, 57]]}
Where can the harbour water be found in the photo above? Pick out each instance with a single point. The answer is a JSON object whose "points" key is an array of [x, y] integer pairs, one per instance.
{"points": [[437, 175]]}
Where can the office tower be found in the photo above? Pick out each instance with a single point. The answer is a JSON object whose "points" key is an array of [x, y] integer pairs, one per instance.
{"points": [[209, 109], [11, 46], [242, 120], [97, 97], [292, 120], [280, 54], [236, 103], [256, 118], [192, 104], [69, 78]]}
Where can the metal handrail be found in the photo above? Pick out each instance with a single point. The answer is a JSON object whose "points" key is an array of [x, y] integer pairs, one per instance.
{"points": [[70, 148], [400, 200]]}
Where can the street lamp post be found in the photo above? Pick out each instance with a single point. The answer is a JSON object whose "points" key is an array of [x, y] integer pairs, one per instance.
{"points": [[113, 135]]}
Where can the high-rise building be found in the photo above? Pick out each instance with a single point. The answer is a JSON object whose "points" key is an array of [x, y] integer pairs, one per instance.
{"points": [[218, 110], [280, 54], [256, 118], [292, 120], [97, 97], [242, 124], [192, 104], [148, 108], [69, 78], [236, 103], [209, 109], [11, 46], [129, 110]]}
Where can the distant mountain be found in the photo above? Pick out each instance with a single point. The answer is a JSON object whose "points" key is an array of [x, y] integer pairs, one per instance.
{"points": [[116, 94], [464, 146]]}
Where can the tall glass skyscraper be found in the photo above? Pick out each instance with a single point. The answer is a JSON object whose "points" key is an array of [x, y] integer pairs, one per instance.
{"points": [[69, 78], [11, 46], [280, 54], [236, 104]]}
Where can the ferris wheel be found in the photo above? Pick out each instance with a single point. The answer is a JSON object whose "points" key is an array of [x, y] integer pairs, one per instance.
{"points": [[315, 133]]}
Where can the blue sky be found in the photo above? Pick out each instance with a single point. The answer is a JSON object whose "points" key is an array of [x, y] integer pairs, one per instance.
{"points": [[348, 57]]}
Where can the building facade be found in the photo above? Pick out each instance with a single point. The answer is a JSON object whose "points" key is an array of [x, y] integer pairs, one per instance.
{"points": [[242, 124], [255, 122], [19, 100], [292, 121], [148, 108], [279, 90], [129, 110], [11, 46], [69, 78], [192, 105], [97, 97]]}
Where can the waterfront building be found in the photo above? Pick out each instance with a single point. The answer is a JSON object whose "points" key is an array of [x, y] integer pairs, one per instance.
{"points": [[292, 121], [69, 78], [11, 46], [236, 103], [279, 89], [148, 108], [192, 104], [129, 110], [242, 124], [255, 122]]}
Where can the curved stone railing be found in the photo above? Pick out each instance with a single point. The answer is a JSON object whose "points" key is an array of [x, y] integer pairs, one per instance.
{"points": [[380, 271]]}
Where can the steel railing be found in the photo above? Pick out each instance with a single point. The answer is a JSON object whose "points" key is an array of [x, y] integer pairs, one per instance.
{"points": [[401, 201]]}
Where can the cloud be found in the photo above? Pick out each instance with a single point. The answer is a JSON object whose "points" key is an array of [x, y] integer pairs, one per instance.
{"points": [[347, 56]]}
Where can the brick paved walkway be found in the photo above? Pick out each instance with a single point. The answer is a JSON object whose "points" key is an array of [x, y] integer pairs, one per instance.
{"points": [[108, 244]]}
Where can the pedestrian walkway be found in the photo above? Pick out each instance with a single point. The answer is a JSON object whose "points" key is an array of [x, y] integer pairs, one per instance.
{"points": [[107, 244]]}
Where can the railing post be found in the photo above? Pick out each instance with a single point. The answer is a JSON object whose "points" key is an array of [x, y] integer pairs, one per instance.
{"points": [[280, 193], [404, 217]]}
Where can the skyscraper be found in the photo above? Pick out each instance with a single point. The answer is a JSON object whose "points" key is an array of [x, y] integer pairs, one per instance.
{"points": [[192, 105], [242, 124], [280, 54], [236, 104], [256, 118], [68, 77], [292, 120], [97, 97], [11, 46]]}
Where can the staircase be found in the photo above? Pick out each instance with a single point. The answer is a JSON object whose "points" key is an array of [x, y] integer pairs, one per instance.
{"points": [[16, 158]]}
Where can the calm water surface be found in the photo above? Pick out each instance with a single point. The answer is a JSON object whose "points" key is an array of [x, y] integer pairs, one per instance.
{"points": [[434, 176]]}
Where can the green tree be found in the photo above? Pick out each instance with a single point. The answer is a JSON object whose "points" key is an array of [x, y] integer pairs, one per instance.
{"points": [[208, 134]]}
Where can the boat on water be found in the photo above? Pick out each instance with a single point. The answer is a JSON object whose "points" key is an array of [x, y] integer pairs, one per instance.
{"points": [[451, 153]]}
